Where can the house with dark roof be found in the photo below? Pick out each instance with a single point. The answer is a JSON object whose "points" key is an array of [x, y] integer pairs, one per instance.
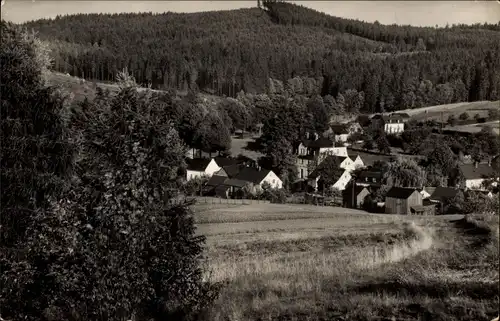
{"points": [[342, 132], [226, 161], [312, 150], [369, 178], [315, 145], [353, 196], [229, 180], [476, 173], [442, 194], [403, 200], [259, 176], [314, 180], [345, 163], [200, 167], [358, 162], [392, 124]]}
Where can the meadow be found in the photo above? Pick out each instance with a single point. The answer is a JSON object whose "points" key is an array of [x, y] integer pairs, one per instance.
{"points": [[438, 111], [301, 262]]}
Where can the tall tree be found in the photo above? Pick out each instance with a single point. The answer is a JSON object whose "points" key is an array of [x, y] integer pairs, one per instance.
{"points": [[404, 172]]}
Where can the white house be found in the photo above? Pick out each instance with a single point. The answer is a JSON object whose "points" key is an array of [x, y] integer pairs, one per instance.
{"points": [[475, 174], [272, 179], [345, 163], [200, 167], [320, 145], [259, 176], [393, 123], [426, 192], [342, 132], [340, 184], [358, 162], [394, 127]]}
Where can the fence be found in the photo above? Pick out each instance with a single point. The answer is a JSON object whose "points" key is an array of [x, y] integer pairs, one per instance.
{"points": [[218, 200], [328, 201]]}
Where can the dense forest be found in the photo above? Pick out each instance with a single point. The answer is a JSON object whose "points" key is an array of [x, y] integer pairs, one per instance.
{"points": [[282, 48]]}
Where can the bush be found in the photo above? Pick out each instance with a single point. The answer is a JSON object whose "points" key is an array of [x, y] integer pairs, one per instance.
{"points": [[134, 157], [111, 247], [463, 116], [37, 158]]}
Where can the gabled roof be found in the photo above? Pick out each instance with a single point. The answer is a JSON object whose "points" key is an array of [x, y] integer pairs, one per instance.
{"points": [[232, 170], [252, 175], [216, 180], [429, 189], [483, 170], [321, 142], [225, 161], [339, 159], [442, 193], [370, 174], [339, 129], [234, 182], [315, 174], [198, 164], [357, 189], [400, 192]]}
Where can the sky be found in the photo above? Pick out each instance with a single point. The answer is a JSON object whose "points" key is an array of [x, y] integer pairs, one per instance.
{"points": [[417, 13]]}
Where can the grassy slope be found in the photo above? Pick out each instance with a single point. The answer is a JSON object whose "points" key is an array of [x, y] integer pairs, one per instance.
{"points": [[434, 112], [336, 265], [472, 108]]}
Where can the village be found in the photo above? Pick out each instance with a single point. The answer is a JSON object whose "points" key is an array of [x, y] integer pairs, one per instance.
{"points": [[358, 177], [263, 160]]}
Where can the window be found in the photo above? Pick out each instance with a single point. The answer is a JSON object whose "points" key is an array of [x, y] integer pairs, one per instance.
{"points": [[274, 181], [301, 173], [366, 179], [373, 179]]}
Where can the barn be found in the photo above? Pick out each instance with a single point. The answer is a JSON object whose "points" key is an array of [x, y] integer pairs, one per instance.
{"points": [[354, 196], [403, 200]]}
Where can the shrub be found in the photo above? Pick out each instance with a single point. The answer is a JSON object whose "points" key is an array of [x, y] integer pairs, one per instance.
{"points": [[133, 159], [37, 157], [111, 247], [463, 116]]}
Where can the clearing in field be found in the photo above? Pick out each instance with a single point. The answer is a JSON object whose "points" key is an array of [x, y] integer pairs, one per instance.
{"points": [[299, 262]]}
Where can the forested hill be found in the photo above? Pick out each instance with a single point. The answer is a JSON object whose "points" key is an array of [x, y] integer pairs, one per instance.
{"points": [[304, 51]]}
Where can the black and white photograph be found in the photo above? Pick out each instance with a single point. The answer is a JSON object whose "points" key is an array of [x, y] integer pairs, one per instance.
{"points": [[259, 160]]}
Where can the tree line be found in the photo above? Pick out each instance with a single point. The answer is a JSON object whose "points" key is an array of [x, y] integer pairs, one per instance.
{"points": [[284, 48]]}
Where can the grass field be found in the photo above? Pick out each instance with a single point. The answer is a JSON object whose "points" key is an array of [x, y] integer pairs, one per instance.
{"points": [[434, 112], [475, 128], [299, 262]]}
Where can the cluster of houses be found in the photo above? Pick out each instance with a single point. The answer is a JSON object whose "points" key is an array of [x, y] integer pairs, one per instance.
{"points": [[418, 201], [228, 176]]}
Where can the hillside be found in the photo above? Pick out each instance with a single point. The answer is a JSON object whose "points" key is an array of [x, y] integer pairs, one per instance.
{"points": [[303, 51]]}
